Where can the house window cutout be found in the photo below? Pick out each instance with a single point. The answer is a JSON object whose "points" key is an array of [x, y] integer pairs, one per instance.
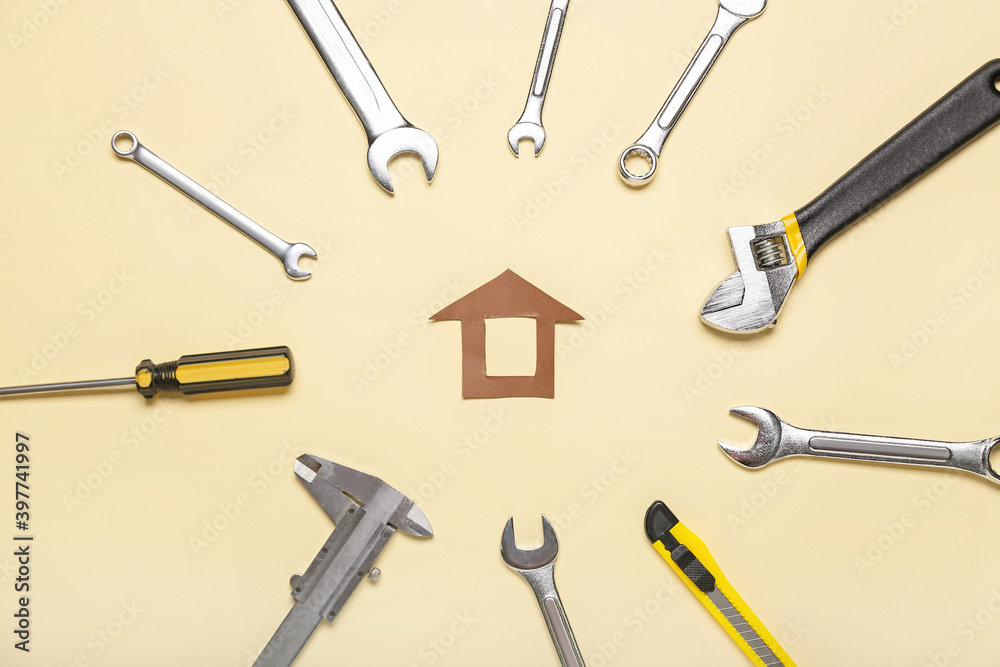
{"points": [[511, 347], [507, 296]]}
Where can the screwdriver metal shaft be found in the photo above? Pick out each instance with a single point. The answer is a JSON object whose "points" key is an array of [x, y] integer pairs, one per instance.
{"points": [[67, 386]]}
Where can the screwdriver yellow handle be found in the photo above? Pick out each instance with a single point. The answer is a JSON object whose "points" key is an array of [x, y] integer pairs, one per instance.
{"points": [[220, 371]]}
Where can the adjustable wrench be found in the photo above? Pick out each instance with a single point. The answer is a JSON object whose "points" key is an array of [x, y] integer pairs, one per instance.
{"points": [[287, 253], [530, 124], [732, 15], [777, 440], [389, 134], [537, 567], [771, 258]]}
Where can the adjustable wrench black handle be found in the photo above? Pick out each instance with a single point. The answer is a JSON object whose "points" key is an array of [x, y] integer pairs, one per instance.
{"points": [[952, 122]]}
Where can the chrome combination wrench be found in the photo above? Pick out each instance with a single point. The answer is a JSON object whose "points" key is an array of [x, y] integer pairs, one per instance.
{"points": [[777, 440], [732, 15], [529, 126], [126, 145], [389, 134], [537, 567]]}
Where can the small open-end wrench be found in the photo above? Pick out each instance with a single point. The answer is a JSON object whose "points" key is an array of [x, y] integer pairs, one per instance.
{"points": [[126, 145], [537, 567], [777, 440], [771, 258], [389, 134], [732, 15], [530, 124]]}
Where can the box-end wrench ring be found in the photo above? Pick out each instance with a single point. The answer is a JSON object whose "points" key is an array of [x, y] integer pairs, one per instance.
{"points": [[126, 145], [732, 15], [778, 440]]}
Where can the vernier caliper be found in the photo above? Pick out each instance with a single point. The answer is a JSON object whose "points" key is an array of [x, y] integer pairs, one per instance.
{"points": [[367, 512]]}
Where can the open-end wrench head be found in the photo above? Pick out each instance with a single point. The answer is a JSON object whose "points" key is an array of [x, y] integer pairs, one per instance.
{"points": [[291, 261], [750, 300], [526, 130], [765, 447], [533, 559], [748, 8], [395, 142]]}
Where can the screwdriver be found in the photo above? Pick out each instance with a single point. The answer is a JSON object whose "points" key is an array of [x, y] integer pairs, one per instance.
{"points": [[192, 374]]}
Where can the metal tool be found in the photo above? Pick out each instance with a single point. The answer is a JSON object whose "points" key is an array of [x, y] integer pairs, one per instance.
{"points": [[777, 440], [771, 258], [366, 512], [530, 124], [126, 145], [732, 14], [389, 134], [537, 567], [190, 375], [688, 556]]}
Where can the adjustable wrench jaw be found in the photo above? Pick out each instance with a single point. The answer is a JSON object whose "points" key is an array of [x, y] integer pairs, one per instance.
{"points": [[750, 300]]}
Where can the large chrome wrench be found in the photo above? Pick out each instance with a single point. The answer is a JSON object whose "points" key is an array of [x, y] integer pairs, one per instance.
{"points": [[732, 15], [126, 145], [537, 567], [777, 440], [389, 134], [529, 126]]}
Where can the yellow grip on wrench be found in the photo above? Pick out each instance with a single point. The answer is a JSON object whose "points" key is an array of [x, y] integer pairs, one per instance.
{"points": [[795, 243]]}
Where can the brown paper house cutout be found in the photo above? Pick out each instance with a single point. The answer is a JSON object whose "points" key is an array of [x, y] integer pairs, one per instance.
{"points": [[507, 296]]}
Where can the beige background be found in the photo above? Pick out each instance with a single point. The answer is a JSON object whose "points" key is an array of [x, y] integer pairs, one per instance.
{"points": [[650, 385]]}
